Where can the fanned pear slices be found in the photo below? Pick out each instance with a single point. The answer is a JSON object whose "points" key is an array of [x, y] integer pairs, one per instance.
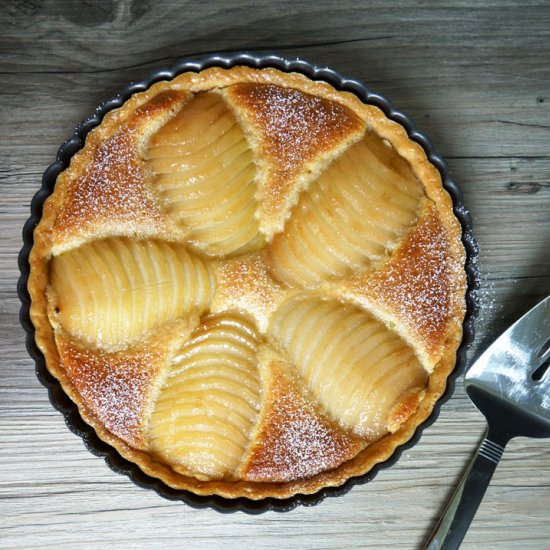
{"points": [[210, 400], [356, 367], [355, 213], [204, 170], [110, 292]]}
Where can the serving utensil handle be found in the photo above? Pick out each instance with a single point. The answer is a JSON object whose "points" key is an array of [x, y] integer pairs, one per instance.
{"points": [[451, 528]]}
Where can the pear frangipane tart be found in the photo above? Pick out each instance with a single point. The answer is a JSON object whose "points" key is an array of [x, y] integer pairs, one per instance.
{"points": [[250, 283]]}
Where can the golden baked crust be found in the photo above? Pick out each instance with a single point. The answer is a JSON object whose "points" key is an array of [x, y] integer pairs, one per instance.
{"points": [[275, 260]]}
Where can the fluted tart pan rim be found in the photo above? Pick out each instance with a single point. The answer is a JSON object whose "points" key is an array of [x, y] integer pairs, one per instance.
{"points": [[68, 408]]}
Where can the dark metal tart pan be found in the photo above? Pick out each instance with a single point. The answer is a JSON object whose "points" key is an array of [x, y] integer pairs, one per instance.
{"points": [[69, 410]]}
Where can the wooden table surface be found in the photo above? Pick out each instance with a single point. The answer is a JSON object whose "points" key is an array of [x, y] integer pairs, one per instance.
{"points": [[474, 75]]}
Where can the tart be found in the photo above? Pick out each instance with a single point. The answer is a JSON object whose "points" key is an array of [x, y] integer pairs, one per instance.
{"points": [[250, 283]]}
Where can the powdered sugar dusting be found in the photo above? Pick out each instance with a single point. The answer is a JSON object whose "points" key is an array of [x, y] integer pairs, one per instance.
{"points": [[297, 441], [484, 296], [417, 283], [114, 386], [305, 445], [111, 190], [294, 128]]}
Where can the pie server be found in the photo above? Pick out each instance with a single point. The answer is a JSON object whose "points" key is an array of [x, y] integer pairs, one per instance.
{"points": [[510, 385]]}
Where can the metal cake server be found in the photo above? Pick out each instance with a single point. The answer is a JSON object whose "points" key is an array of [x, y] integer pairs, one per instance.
{"points": [[510, 385]]}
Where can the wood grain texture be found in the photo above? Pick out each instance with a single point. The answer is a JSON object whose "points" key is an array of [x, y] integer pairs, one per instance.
{"points": [[475, 76]]}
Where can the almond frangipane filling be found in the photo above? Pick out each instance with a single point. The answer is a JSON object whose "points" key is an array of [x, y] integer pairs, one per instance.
{"points": [[236, 333]]}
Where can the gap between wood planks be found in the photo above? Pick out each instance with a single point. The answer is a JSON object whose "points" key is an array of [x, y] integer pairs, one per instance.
{"points": [[192, 55]]}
